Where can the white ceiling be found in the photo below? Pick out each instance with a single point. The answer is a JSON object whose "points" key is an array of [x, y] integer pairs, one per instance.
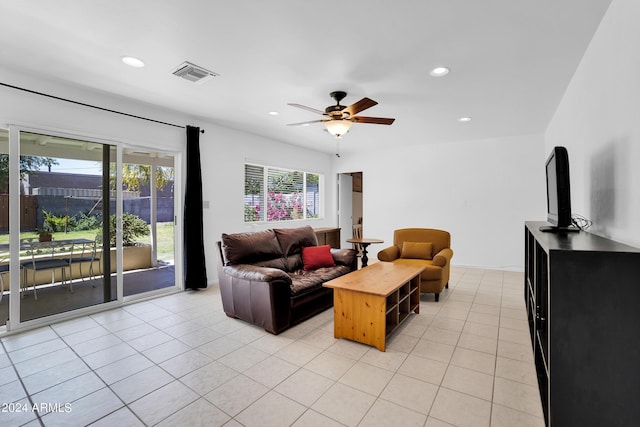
{"points": [[510, 60]]}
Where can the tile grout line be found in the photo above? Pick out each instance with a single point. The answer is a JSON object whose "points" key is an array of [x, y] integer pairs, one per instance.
{"points": [[99, 377], [28, 395], [495, 364], [298, 368], [175, 379]]}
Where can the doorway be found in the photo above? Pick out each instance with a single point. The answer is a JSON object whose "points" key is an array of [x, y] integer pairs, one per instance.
{"points": [[148, 199], [350, 207]]}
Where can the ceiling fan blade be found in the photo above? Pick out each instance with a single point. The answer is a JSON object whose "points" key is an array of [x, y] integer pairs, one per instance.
{"points": [[374, 120], [361, 105], [304, 107], [305, 123]]}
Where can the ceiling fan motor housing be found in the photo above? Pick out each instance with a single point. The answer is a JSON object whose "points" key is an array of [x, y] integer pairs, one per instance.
{"points": [[335, 111]]}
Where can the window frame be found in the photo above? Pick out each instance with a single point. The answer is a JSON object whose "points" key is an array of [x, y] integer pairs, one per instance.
{"points": [[263, 194]]}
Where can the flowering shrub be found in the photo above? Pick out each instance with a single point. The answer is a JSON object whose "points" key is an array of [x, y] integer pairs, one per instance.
{"points": [[282, 207], [251, 213], [273, 194]]}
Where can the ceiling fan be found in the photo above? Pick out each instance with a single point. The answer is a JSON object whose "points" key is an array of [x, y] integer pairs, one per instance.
{"points": [[340, 117]]}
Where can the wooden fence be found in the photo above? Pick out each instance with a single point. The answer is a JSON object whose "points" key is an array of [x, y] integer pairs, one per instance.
{"points": [[28, 213]]}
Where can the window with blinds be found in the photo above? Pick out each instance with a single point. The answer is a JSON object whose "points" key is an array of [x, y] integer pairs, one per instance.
{"points": [[274, 194]]}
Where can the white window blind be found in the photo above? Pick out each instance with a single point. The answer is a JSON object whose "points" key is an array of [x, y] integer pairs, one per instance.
{"points": [[274, 194]]}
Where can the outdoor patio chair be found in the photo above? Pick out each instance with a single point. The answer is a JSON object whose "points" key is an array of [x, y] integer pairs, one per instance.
{"points": [[43, 257], [82, 253]]}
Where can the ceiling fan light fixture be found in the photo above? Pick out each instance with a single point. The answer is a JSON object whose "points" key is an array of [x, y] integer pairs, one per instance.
{"points": [[338, 128]]}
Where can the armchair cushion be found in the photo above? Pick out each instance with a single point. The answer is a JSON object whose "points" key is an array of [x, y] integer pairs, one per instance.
{"points": [[314, 257], [416, 250], [430, 272]]}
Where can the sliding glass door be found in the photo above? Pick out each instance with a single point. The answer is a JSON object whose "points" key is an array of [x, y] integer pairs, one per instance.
{"points": [[91, 223], [148, 221], [5, 245], [67, 224]]}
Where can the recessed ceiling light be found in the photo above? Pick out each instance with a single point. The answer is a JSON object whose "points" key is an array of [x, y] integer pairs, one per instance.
{"points": [[439, 71], [273, 113], [133, 62], [464, 119]]}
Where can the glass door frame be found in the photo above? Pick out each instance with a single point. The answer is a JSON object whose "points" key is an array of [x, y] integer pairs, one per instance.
{"points": [[177, 219], [14, 323]]}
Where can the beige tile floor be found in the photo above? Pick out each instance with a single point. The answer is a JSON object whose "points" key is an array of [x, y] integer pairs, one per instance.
{"points": [[179, 361]]}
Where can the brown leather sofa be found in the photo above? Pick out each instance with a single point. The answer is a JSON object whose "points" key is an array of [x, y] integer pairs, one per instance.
{"points": [[262, 279], [426, 247]]}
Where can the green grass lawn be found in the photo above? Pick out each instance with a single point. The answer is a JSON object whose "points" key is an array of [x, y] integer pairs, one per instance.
{"points": [[164, 232]]}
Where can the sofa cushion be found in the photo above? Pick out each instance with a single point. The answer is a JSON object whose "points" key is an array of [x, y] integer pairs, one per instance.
{"points": [[308, 280], [292, 240], [250, 248], [416, 250], [346, 257], [252, 272], [279, 263], [314, 257]]}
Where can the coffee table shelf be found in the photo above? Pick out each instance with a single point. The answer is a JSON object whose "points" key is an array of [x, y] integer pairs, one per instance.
{"points": [[401, 303], [371, 303]]}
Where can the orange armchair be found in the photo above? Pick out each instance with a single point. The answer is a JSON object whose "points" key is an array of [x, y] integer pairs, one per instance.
{"points": [[425, 247]]}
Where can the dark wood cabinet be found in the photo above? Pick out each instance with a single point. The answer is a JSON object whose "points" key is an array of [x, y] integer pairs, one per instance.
{"points": [[328, 236], [582, 294]]}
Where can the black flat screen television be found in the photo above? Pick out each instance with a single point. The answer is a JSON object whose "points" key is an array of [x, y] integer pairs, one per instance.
{"points": [[558, 192]]}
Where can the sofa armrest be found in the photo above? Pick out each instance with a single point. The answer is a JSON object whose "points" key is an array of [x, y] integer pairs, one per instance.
{"points": [[259, 295], [255, 273], [443, 257], [389, 254], [346, 257]]}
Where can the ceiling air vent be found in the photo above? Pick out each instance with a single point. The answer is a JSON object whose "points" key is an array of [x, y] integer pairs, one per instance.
{"points": [[193, 73]]}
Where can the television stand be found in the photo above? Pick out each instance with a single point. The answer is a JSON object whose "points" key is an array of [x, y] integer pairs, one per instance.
{"points": [[554, 229], [581, 293]]}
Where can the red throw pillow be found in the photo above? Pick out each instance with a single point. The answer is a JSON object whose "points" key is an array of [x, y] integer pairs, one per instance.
{"points": [[317, 257]]}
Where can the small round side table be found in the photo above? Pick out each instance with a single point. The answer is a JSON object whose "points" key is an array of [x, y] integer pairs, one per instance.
{"points": [[364, 243]]}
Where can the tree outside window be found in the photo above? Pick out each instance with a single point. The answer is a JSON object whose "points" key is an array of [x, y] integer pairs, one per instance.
{"points": [[28, 164]]}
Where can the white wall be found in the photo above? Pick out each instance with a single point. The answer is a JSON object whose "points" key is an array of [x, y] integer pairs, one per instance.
{"points": [[223, 153], [25, 109], [480, 191], [598, 120], [223, 150]]}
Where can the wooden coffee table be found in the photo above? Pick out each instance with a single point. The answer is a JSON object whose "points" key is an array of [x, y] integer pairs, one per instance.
{"points": [[370, 303]]}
